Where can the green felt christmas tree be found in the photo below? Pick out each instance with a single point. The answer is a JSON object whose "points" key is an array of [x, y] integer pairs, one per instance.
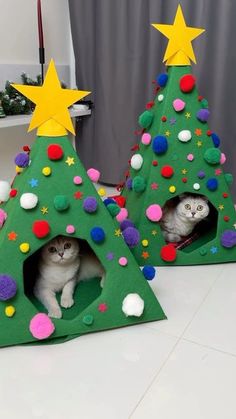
{"points": [[178, 154], [53, 195]]}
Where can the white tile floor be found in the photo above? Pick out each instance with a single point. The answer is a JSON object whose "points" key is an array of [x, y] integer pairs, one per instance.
{"points": [[180, 368]]}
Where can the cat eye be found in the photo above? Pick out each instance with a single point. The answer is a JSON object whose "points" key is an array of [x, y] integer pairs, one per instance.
{"points": [[187, 207], [199, 207], [52, 249], [67, 246]]}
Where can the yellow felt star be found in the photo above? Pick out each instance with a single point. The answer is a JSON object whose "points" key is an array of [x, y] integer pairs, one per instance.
{"points": [[199, 143], [44, 210], [179, 50], [167, 133], [52, 102], [70, 161], [221, 207], [184, 171], [154, 232], [118, 233], [188, 115]]}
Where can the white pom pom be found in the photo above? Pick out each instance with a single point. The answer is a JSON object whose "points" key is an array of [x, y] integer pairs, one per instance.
{"points": [[160, 98], [4, 190], [136, 161], [133, 305], [184, 135], [28, 200]]}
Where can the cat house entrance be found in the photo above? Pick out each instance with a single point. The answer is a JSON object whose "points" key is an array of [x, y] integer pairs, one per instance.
{"points": [[88, 272], [189, 221]]}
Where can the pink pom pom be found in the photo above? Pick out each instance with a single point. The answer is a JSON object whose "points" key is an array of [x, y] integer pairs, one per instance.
{"points": [[146, 138], [93, 174], [41, 326], [78, 180], [154, 212], [70, 229], [190, 157], [222, 158], [3, 217], [178, 105], [123, 214], [123, 261]]}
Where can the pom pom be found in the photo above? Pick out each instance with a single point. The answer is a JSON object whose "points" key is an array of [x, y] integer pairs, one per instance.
{"points": [[146, 138], [167, 171], [70, 229], [204, 103], [145, 242], [123, 214], [3, 217], [13, 193], [55, 152], [4, 190], [168, 253], [125, 224], [162, 79], [8, 287], [215, 139], [93, 174], [184, 136], [133, 305], [154, 212], [139, 184], [212, 184], [229, 178], [120, 200], [41, 326], [22, 160], [24, 247], [41, 229], [190, 157], [160, 98], [46, 171], [228, 238], [129, 183], [10, 311], [131, 236], [172, 189], [212, 156], [159, 144], [61, 202], [178, 105], [108, 201], [123, 261], [78, 180], [113, 209], [28, 200], [201, 174], [136, 161], [97, 234], [149, 272], [196, 186], [203, 115], [145, 119], [222, 158], [187, 83], [90, 204]]}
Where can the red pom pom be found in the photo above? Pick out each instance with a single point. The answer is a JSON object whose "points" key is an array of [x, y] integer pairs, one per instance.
{"points": [[120, 200], [200, 98], [167, 171], [55, 152], [163, 118], [13, 193], [225, 195], [149, 105], [184, 180], [226, 218], [209, 132], [155, 163], [41, 229], [26, 148], [168, 253], [187, 83]]}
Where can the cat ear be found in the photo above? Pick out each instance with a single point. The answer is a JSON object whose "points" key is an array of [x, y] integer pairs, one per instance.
{"points": [[204, 198], [182, 196]]}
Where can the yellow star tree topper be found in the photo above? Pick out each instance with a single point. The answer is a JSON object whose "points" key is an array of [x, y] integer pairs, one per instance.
{"points": [[179, 50], [51, 115]]}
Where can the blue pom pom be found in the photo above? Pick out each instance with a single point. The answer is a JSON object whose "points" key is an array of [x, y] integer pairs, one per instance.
{"points": [[149, 272], [22, 160], [97, 234], [212, 184], [108, 201], [160, 144], [215, 139], [162, 79]]}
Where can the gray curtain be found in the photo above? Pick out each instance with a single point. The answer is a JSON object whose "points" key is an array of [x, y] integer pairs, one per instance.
{"points": [[118, 54]]}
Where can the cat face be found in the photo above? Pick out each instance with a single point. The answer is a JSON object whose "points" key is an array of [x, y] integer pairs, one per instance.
{"points": [[194, 209], [61, 250]]}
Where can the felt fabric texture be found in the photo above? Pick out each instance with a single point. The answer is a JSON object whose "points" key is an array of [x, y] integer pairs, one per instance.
{"points": [[182, 157], [95, 308]]}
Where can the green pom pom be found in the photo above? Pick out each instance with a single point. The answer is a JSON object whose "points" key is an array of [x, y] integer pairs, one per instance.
{"points": [[139, 184], [113, 209], [145, 119], [61, 202], [229, 178], [204, 103], [212, 155], [88, 319]]}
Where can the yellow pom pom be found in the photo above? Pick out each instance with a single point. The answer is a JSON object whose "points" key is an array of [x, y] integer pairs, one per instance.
{"points": [[10, 311], [145, 243], [101, 192], [24, 247], [172, 189], [46, 171], [19, 169]]}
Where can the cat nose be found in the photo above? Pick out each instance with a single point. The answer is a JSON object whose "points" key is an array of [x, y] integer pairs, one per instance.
{"points": [[61, 254], [193, 213]]}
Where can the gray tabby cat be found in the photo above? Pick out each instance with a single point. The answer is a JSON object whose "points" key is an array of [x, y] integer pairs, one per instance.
{"points": [[179, 221], [60, 268]]}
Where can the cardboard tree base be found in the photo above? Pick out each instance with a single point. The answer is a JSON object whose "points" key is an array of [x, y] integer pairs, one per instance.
{"points": [[95, 308], [167, 169]]}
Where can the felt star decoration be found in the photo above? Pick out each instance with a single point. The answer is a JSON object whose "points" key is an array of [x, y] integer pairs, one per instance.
{"points": [[179, 50], [51, 112]]}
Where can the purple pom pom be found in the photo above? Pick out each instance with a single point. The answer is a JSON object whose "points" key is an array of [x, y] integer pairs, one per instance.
{"points": [[90, 204], [228, 238], [201, 174], [22, 160], [125, 224], [128, 183], [131, 236], [203, 115], [8, 287]]}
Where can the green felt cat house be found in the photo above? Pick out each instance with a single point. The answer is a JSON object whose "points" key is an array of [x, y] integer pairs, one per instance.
{"points": [[178, 154], [53, 195]]}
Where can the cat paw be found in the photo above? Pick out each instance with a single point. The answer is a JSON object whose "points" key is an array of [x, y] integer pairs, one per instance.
{"points": [[55, 313], [66, 302]]}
